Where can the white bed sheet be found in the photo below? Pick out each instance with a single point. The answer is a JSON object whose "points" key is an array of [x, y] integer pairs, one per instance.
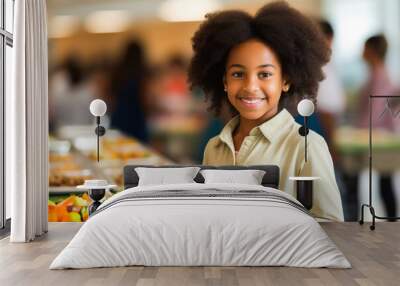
{"points": [[200, 231]]}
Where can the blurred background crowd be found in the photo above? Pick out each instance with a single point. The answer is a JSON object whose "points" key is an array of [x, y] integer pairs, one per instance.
{"points": [[134, 55]]}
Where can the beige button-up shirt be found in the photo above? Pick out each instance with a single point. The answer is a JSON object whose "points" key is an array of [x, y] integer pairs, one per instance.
{"points": [[277, 142]]}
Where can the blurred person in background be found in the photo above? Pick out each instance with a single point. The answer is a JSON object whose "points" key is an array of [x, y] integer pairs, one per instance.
{"points": [[176, 76], [176, 96], [154, 90], [70, 95], [127, 89], [331, 104], [177, 114], [378, 83], [331, 99], [331, 96]]}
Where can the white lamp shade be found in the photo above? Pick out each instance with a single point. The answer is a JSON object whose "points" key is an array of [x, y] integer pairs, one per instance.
{"points": [[305, 107], [98, 107]]}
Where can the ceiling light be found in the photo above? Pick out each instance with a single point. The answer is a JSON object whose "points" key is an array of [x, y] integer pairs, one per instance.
{"points": [[111, 21], [184, 11], [62, 26]]}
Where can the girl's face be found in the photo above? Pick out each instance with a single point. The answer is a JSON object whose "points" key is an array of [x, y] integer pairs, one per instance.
{"points": [[254, 81]]}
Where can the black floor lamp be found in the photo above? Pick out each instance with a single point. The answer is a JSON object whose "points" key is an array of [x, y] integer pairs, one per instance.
{"points": [[369, 205], [97, 188]]}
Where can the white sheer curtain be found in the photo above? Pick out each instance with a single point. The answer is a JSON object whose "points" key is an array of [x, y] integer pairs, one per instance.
{"points": [[27, 123]]}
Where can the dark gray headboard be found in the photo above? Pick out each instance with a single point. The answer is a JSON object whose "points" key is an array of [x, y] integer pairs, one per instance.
{"points": [[270, 179]]}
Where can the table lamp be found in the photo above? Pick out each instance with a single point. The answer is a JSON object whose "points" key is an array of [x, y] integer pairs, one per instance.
{"points": [[304, 185]]}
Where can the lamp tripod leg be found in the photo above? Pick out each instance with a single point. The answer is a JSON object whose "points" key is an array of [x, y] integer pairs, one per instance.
{"points": [[372, 210], [361, 221]]}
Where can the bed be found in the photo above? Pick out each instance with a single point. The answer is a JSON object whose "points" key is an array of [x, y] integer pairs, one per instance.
{"points": [[201, 223]]}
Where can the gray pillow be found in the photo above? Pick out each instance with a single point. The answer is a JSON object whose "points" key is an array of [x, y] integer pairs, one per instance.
{"points": [[248, 177], [165, 176]]}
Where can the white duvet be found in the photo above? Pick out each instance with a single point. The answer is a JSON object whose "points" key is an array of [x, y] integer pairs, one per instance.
{"points": [[183, 231]]}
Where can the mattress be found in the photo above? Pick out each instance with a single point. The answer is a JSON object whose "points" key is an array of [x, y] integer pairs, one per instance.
{"points": [[201, 225]]}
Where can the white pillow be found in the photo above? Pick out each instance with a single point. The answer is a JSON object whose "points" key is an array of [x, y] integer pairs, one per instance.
{"points": [[248, 177], [163, 176]]}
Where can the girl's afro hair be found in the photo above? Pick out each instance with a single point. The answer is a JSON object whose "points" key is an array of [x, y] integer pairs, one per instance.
{"points": [[297, 41]]}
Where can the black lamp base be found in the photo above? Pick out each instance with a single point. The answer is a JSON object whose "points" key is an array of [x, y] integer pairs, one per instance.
{"points": [[304, 190], [305, 193], [96, 195]]}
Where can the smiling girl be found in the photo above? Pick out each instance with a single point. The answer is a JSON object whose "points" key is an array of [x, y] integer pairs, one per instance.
{"points": [[258, 65]]}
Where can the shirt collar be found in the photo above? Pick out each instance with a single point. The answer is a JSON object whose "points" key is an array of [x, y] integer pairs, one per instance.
{"points": [[277, 125], [270, 129], [226, 133]]}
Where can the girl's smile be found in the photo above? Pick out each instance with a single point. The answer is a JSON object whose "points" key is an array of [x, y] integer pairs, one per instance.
{"points": [[251, 102]]}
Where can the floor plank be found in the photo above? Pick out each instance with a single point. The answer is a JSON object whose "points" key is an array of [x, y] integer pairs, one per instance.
{"points": [[374, 255]]}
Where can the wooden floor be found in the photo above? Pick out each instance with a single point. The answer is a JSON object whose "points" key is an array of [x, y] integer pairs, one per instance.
{"points": [[374, 255]]}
